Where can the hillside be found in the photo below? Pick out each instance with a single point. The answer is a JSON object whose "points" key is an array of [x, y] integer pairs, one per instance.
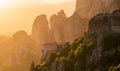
{"points": [[79, 56], [97, 50]]}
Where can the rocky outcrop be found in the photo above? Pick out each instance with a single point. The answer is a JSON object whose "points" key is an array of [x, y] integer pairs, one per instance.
{"points": [[67, 29], [104, 24], [100, 24], [22, 51], [20, 34], [62, 29], [99, 54], [40, 30], [88, 9], [57, 24], [75, 27], [102, 27]]}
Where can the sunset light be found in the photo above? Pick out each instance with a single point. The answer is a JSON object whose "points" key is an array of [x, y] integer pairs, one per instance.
{"points": [[59, 35], [55, 1], [4, 3]]}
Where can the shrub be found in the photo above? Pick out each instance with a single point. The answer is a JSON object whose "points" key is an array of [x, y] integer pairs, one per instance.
{"points": [[52, 56], [114, 68], [62, 59]]}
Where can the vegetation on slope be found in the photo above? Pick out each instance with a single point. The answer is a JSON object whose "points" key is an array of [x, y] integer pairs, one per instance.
{"points": [[74, 56]]}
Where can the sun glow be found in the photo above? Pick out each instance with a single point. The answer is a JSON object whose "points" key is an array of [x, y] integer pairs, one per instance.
{"points": [[54, 1], [4, 3]]}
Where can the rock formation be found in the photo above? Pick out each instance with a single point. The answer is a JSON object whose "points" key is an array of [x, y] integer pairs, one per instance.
{"points": [[20, 36], [67, 29], [62, 29], [22, 51], [75, 27], [88, 9], [57, 26], [103, 29], [106, 27], [105, 23], [40, 30], [99, 54]]}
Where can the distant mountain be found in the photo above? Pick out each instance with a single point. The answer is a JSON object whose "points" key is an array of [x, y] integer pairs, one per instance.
{"points": [[18, 51]]}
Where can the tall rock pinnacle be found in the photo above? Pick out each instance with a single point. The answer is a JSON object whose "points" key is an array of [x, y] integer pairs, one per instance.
{"points": [[57, 23], [40, 29]]}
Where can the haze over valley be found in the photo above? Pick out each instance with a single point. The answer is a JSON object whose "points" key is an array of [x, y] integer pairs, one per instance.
{"points": [[64, 35]]}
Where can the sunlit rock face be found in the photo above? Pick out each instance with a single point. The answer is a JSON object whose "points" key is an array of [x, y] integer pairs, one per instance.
{"points": [[102, 52], [75, 27], [40, 29], [67, 29], [83, 7], [62, 29], [88, 9], [57, 24]]}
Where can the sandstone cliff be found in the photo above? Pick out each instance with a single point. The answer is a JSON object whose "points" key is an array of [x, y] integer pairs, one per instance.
{"points": [[57, 26], [60, 29], [88, 9], [102, 53], [40, 30], [75, 27]]}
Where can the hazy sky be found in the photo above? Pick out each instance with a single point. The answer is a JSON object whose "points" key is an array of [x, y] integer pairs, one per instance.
{"points": [[21, 3], [19, 14]]}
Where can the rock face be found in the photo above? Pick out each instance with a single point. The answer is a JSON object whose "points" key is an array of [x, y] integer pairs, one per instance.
{"points": [[106, 28], [67, 29], [100, 24], [57, 24], [62, 29], [105, 23], [88, 9], [40, 30], [75, 27], [99, 54]]}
